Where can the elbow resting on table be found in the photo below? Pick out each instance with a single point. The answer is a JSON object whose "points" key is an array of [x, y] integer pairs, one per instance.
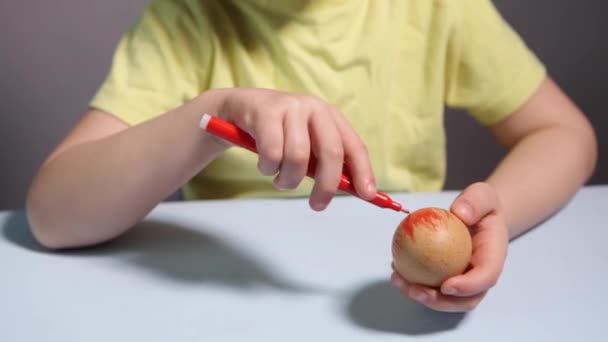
{"points": [[58, 225], [50, 226], [589, 149], [46, 233]]}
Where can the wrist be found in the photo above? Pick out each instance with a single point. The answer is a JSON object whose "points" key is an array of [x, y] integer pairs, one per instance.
{"points": [[194, 143], [211, 102]]}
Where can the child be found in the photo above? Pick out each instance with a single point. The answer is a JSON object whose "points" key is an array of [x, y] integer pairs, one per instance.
{"points": [[337, 79]]}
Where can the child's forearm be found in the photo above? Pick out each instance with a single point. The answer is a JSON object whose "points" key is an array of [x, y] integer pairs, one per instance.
{"points": [[542, 172], [95, 191]]}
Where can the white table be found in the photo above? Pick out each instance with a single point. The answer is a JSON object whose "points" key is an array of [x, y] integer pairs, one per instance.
{"points": [[273, 270]]}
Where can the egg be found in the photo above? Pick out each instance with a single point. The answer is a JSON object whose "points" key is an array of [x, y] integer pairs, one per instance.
{"points": [[431, 245]]}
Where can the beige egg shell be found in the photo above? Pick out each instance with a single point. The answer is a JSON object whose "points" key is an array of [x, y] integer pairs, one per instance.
{"points": [[431, 245]]}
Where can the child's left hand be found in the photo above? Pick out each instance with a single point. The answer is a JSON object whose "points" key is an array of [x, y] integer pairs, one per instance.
{"points": [[479, 208]]}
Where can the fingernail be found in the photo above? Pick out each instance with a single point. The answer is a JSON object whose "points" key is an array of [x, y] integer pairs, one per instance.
{"points": [[278, 186], [464, 210], [449, 291], [318, 206], [371, 187], [420, 295], [398, 282]]}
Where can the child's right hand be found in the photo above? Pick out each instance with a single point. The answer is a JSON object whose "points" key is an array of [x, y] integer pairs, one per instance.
{"points": [[289, 129], [131, 169]]}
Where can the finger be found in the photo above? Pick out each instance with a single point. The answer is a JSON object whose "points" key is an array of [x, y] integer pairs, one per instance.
{"points": [[327, 147], [356, 157], [267, 131], [432, 298], [398, 281], [296, 152], [439, 302], [490, 244], [475, 202]]}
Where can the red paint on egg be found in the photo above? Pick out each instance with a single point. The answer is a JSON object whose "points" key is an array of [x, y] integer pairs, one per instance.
{"points": [[427, 217]]}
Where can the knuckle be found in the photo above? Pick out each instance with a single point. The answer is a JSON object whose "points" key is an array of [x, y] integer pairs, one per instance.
{"points": [[336, 112], [331, 108], [265, 116], [248, 120], [317, 105], [299, 156], [272, 154], [333, 153], [357, 155], [361, 147], [291, 103], [256, 122], [313, 100]]}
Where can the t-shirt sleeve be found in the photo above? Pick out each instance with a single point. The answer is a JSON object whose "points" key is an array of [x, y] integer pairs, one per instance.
{"points": [[153, 69], [491, 71]]}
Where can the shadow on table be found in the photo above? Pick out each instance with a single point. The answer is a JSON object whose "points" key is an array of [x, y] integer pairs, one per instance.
{"points": [[171, 251], [379, 306], [17, 230]]}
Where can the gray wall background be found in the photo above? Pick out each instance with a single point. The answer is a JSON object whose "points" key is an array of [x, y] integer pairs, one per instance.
{"points": [[54, 54]]}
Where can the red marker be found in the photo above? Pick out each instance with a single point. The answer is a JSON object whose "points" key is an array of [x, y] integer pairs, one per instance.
{"points": [[237, 136]]}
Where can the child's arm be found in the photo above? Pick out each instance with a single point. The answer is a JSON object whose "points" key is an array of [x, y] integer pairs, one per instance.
{"points": [[107, 176], [552, 152]]}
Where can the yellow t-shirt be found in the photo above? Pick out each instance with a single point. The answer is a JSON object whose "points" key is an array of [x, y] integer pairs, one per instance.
{"points": [[390, 65]]}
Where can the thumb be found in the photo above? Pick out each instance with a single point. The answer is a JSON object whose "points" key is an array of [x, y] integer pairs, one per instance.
{"points": [[475, 202]]}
